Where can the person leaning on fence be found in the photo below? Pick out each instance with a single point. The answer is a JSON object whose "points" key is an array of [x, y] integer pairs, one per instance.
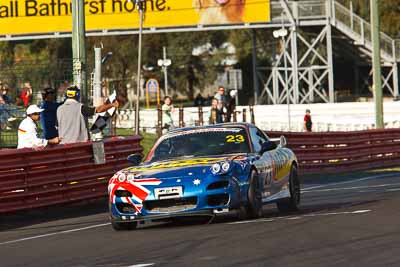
{"points": [[27, 130], [308, 121], [167, 109], [72, 117], [48, 118]]}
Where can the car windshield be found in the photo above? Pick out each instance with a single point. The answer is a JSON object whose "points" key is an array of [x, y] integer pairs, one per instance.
{"points": [[201, 142]]}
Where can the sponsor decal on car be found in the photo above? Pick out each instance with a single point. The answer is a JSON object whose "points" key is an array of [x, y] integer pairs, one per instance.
{"points": [[176, 163]]}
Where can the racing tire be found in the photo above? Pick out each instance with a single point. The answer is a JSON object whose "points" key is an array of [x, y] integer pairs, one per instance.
{"points": [[293, 202], [253, 209], [126, 226]]}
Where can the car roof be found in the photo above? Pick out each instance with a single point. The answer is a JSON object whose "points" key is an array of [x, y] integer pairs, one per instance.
{"points": [[219, 125]]}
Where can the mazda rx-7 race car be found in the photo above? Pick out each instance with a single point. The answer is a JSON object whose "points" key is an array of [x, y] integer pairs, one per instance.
{"points": [[203, 171]]}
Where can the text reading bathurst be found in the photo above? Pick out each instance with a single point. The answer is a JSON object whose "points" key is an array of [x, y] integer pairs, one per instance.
{"points": [[31, 8]]}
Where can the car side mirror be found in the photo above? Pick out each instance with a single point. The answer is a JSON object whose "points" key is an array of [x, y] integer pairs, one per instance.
{"points": [[282, 141], [135, 159], [267, 146]]}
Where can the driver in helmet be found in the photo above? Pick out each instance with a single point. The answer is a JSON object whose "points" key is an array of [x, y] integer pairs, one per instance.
{"points": [[72, 117]]}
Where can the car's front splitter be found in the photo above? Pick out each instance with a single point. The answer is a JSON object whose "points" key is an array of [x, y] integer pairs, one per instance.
{"points": [[197, 213]]}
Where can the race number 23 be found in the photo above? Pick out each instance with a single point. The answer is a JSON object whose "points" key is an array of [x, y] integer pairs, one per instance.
{"points": [[235, 138]]}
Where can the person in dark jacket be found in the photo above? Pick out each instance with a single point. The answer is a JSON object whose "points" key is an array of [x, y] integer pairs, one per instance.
{"points": [[48, 118]]}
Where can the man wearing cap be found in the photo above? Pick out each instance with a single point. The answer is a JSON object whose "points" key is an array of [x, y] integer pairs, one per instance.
{"points": [[48, 118], [72, 117], [27, 130]]}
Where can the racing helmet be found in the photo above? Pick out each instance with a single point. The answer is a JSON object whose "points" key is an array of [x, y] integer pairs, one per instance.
{"points": [[73, 92]]}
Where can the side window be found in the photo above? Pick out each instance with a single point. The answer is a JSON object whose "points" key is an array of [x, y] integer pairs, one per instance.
{"points": [[257, 138]]}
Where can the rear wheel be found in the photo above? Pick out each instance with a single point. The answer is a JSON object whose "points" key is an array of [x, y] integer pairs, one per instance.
{"points": [[123, 226], [292, 203], [253, 209]]}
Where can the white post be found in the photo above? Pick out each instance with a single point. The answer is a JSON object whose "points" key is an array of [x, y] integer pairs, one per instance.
{"points": [[330, 63], [286, 80], [165, 70], [97, 77]]}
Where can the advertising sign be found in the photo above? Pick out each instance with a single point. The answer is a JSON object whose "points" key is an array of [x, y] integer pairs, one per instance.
{"points": [[48, 16]]}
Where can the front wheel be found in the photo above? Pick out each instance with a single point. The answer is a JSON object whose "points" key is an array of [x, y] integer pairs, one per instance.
{"points": [[123, 226], [293, 202], [253, 209]]}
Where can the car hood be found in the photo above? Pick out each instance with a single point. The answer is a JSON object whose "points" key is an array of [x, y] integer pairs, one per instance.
{"points": [[178, 167]]}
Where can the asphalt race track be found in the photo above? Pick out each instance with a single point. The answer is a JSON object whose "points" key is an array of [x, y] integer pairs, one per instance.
{"points": [[351, 222]]}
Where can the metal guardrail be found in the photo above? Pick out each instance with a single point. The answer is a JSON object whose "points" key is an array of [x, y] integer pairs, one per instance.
{"points": [[332, 152], [62, 174]]}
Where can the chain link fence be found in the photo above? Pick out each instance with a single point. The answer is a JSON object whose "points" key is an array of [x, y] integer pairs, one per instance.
{"points": [[21, 84], [32, 76]]}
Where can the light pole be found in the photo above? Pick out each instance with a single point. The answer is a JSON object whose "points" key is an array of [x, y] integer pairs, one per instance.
{"points": [[139, 4], [281, 33], [79, 48], [164, 63], [376, 64]]}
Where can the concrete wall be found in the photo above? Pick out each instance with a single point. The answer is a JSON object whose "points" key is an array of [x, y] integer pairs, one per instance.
{"points": [[326, 117]]}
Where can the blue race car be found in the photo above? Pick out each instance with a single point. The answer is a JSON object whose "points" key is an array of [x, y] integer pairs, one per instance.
{"points": [[204, 171]]}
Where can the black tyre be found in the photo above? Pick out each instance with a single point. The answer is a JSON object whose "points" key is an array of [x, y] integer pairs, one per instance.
{"points": [[253, 209], [293, 202], [123, 226]]}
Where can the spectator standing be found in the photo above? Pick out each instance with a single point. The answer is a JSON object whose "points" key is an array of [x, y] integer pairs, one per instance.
{"points": [[216, 113], [72, 117], [48, 118], [26, 94], [220, 96], [167, 109], [308, 121], [199, 100], [4, 93], [27, 130], [231, 105]]}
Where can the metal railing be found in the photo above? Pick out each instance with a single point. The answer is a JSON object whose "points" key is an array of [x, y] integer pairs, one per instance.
{"points": [[361, 30], [342, 17], [333, 152]]}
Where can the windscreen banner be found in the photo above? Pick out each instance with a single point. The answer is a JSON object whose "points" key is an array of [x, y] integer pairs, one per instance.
{"points": [[49, 16]]}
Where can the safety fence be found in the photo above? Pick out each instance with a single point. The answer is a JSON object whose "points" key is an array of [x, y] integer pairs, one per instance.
{"points": [[62, 174], [338, 152]]}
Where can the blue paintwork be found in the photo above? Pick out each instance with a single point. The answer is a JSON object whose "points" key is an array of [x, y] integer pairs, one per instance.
{"points": [[186, 170]]}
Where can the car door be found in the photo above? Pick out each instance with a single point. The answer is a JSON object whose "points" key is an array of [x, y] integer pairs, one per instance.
{"points": [[262, 161], [280, 170]]}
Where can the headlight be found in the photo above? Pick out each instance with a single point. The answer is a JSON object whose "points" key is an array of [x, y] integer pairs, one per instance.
{"points": [[225, 166], [121, 177], [130, 177], [215, 168]]}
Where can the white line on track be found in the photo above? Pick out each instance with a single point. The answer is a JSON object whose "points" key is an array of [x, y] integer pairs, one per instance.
{"points": [[350, 188], [302, 216], [351, 181], [55, 233], [142, 265], [393, 189]]}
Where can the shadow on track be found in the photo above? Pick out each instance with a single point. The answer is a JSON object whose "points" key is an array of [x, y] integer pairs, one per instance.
{"points": [[59, 212], [269, 211]]}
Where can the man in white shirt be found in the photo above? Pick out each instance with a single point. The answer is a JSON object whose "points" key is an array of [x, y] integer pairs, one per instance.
{"points": [[27, 130]]}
